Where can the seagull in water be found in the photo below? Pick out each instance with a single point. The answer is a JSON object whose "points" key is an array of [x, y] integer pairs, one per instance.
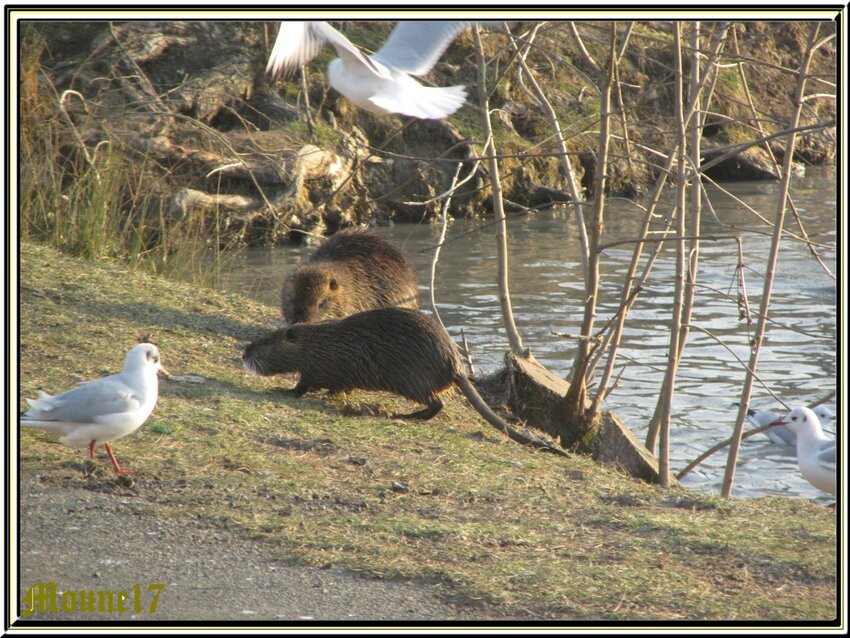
{"points": [[105, 409], [782, 434], [815, 452], [380, 83]]}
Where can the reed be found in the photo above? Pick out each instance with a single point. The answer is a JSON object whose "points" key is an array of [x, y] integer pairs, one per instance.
{"points": [[91, 199]]}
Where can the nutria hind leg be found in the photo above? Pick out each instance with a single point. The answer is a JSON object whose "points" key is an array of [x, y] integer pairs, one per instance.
{"points": [[434, 406]]}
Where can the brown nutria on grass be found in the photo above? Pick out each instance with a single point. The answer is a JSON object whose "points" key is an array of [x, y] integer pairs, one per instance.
{"points": [[350, 272], [398, 350]]}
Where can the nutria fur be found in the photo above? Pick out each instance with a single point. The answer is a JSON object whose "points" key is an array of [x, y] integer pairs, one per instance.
{"points": [[350, 272], [399, 350]]}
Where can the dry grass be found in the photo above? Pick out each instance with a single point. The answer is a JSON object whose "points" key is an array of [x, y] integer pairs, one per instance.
{"points": [[448, 500]]}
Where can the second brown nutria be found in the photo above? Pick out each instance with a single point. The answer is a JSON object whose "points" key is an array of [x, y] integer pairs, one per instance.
{"points": [[399, 350], [352, 271]]}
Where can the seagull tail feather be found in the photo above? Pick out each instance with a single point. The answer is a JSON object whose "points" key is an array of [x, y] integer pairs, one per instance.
{"points": [[426, 102], [42, 404]]}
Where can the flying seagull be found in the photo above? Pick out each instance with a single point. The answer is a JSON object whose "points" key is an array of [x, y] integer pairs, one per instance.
{"points": [[102, 410], [380, 83]]}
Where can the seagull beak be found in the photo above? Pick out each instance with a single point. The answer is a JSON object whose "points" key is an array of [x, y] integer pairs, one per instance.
{"points": [[163, 372], [779, 422]]}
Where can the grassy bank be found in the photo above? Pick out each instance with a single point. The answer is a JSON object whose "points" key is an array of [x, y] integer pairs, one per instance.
{"points": [[329, 481]]}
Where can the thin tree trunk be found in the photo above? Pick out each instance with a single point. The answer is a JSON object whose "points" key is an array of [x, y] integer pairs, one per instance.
{"points": [[577, 393], [628, 295], [770, 269], [498, 205], [695, 185], [686, 263], [665, 399]]}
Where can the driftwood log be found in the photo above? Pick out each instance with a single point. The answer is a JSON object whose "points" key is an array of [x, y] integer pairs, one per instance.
{"points": [[536, 395]]}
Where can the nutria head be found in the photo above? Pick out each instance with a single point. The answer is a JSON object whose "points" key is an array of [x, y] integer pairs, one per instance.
{"points": [[350, 272], [273, 353], [318, 292]]}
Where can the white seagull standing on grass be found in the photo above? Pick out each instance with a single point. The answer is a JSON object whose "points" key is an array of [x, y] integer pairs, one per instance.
{"points": [[105, 409], [815, 452], [380, 83]]}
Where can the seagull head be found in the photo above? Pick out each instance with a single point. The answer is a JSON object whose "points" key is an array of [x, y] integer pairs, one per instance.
{"points": [[824, 414], [800, 420], [145, 357]]}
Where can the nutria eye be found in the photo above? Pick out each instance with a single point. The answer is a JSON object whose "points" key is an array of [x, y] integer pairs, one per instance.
{"points": [[332, 284]]}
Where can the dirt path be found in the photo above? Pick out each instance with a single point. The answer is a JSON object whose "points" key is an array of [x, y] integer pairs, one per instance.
{"points": [[82, 540]]}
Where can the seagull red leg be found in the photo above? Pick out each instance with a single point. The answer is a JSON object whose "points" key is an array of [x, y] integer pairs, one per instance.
{"points": [[91, 449], [112, 458]]}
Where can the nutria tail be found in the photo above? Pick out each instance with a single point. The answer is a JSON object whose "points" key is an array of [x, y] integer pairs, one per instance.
{"points": [[493, 419]]}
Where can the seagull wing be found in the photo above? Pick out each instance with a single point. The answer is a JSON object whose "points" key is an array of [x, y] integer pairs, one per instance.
{"points": [[85, 403], [759, 417], [414, 47], [781, 435], [826, 457], [297, 43], [351, 55]]}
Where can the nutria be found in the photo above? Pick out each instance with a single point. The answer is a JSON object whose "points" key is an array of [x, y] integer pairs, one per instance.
{"points": [[394, 349], [351, 271]]}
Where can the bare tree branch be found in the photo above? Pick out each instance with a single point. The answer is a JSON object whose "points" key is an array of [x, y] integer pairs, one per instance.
{"points": [[498, 205], [584, 53], [770, 269], [546, 106]]}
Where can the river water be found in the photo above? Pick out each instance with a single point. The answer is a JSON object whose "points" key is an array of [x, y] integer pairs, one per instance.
{"points": [[798, 358]]}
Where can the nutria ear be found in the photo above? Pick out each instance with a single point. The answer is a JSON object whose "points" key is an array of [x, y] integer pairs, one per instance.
{"points": [[332, 284], [289, 335]]}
